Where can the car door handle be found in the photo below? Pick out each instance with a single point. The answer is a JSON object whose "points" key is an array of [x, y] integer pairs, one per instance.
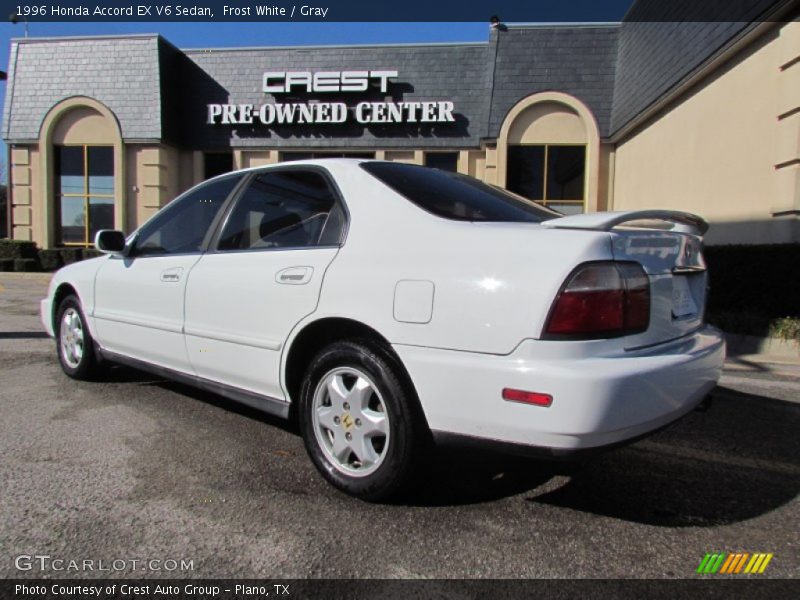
{"points": [[172, 275], [295, 275]]}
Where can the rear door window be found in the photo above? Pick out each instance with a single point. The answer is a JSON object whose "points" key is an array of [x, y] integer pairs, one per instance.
{"points": [[284, 209], [456, 197]]}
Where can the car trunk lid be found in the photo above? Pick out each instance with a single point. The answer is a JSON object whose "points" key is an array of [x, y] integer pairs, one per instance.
{"points": [[668, 245]]}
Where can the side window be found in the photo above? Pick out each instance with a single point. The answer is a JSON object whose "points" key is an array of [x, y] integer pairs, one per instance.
{"points": [[284, 209], [182, 225]]}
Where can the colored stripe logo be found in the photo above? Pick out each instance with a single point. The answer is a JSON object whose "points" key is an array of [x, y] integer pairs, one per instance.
{"points": [[734, 563]]}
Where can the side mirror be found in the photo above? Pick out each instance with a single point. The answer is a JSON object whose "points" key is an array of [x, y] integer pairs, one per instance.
{"points": [[110, 241]]}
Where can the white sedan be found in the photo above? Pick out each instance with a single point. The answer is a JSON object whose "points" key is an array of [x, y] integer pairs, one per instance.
{"points": [[385, 306]]}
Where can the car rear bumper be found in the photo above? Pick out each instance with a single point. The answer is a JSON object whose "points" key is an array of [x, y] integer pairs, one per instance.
{"points": [[598, 401]]}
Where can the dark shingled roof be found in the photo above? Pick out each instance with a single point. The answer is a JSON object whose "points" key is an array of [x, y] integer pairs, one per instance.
{"points": [[661, 43], [122, 73], [577, 60], [160, 93]]}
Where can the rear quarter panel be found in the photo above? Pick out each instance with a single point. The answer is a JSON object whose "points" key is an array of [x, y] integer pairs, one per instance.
{"points": [[493, 282]]}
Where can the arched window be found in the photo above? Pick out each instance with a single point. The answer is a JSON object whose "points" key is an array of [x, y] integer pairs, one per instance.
{"points": [[84, 192], [82, 159], [549, 147]]}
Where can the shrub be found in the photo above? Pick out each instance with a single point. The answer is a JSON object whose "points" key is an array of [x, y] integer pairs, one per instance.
{"points": [[50, 260], [71, 255], [6, 264], [90, 253], [17, 249], [47, 260], [785, 328], [26, 265]]}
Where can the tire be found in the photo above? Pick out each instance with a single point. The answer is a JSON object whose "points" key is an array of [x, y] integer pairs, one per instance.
{"points": [[74, 344], [362, 427]]}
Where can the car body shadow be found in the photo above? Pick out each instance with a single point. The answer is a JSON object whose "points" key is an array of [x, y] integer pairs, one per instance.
{"points": [[229, 405], [450, 477], [738, 461], [23, 335], [463, 476], [124, 374], [113, 373]]}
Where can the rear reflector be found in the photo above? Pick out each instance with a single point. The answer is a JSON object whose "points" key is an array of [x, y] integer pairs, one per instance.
{"points": [[527, 397], [603, 299]]}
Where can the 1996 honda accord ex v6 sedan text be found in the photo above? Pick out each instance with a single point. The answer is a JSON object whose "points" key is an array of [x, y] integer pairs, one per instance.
{"points": [[386, 305]]}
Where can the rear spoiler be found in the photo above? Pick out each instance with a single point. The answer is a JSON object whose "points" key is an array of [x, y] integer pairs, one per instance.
{"points": [[606, 221]]}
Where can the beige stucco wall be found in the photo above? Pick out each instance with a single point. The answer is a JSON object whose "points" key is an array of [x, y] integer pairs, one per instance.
{"points": [[490, 160], [84, 125], [546, 123], [605, 181], [472, 163], [156, 175], [728, 149], [244, 159], [25, 193], [402, 156]]}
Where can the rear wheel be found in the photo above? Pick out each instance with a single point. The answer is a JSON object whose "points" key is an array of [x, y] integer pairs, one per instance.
{"points": [[360, 424], [74, 342]]}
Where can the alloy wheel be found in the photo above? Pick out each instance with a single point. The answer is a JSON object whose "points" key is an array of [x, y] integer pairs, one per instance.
{"points": [[350, 421]]}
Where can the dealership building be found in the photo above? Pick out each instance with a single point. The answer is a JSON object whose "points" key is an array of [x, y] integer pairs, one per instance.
{"points": [[699, 115]]}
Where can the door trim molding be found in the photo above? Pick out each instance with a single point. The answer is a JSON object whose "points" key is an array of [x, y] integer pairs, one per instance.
{"points": [[151, 324], [232, 339]]}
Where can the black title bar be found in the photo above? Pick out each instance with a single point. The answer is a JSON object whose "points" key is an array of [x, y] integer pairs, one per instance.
{"points": [[508, 11], [711, 588]]}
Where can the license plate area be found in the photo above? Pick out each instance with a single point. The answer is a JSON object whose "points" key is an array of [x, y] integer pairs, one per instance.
{"points": [[683, 302]]}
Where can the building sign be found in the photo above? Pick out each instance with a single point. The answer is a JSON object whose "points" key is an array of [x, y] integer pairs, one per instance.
{"points": [[278, 82], [318, 112]]}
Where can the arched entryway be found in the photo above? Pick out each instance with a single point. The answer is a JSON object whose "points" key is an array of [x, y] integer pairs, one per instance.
{"points": [[548, 150], [83, 172]]}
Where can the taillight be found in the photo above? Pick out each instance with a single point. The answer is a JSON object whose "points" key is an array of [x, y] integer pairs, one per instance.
{"points": [[602, 299]]}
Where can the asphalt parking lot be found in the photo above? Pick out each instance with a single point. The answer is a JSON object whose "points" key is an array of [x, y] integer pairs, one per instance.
{"points": [[137, 468]]}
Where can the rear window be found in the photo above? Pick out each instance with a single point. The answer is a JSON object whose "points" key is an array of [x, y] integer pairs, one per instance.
{"points": [[457, 197]]}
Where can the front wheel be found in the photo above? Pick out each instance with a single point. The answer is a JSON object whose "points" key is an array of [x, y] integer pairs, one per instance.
{"points": [[74, 342], [360, 423]]}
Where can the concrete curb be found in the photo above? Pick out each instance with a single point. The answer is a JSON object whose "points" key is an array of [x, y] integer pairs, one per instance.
{"points": [[781, 369], [769, 349]]}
